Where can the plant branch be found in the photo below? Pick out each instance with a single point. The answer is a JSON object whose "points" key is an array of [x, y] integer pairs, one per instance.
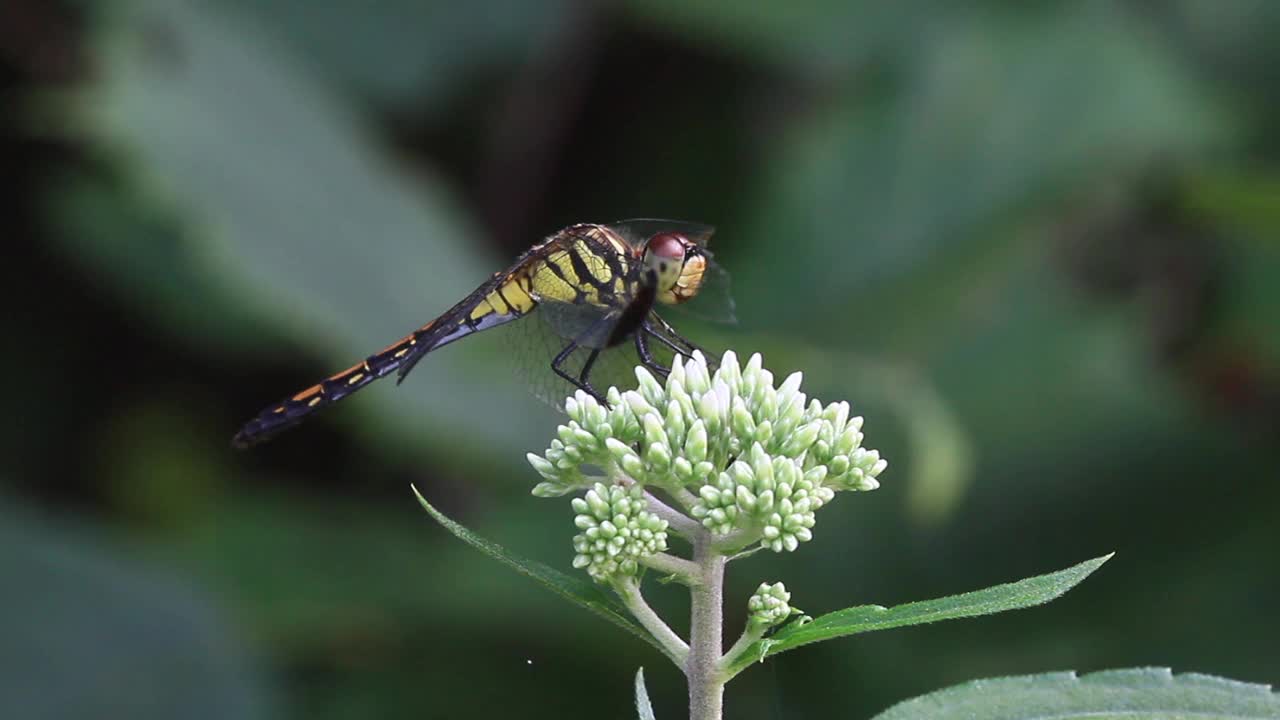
{"points": [[738, 539], [675, 646], [678, 522], [750, 634], [706, 627], [688, 572], [685, 497]]}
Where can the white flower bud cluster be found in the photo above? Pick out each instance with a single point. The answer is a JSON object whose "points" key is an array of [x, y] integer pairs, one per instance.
{"points": [[617, 530], [582, 442], [755, 457], [839, 449], [768, 605], [767, 491]]}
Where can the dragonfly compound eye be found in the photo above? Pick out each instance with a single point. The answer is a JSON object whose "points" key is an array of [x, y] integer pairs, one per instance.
{"points": [[668, 247], [678, 264]]}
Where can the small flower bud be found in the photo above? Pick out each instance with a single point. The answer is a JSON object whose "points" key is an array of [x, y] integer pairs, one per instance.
{"points": [[769, 605]]}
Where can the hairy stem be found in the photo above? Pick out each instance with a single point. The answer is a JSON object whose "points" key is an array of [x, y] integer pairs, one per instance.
{"points": [[688, 572], [676, 648], [736, 540], [685, 498], [706, 628], [678, 522], [750, 634]]}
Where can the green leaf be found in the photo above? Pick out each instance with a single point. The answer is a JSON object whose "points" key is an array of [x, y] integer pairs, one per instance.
{"points": [[414, 55], [578, 591], [992, 122], [291, 209], [852, 621], [1154, 693], [91, 630], [643, 707], [827, 35]]}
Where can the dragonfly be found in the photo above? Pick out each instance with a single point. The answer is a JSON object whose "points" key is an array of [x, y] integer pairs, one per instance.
{"points": [[594, 288]]}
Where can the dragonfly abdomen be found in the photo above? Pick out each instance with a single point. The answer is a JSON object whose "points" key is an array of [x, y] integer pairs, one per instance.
{"points": [[294, 409], [494, 303]]}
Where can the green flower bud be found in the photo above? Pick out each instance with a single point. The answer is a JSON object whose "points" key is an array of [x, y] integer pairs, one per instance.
{"points": [[649, 387], [743, 424], [658, 457], [769, 606], [618, 530], [675, 425], [682, 469], [695, 444], [633, 466], [801, 440], [542, 466]]}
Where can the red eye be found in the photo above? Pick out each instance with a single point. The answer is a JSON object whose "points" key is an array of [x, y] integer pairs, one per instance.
{"points": [[668, 245]]}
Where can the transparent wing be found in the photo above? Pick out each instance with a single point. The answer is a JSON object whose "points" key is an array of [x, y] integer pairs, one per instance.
{"points": [[585, 324], [535, 342], [637, 231], [714, 300]]}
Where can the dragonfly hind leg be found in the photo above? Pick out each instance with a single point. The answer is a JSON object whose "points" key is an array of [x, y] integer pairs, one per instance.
{"points": [[581, 382]]}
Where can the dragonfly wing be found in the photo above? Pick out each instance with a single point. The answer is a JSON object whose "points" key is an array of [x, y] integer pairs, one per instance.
{"points": [[714, 301], [534, 344], [637, 231]]}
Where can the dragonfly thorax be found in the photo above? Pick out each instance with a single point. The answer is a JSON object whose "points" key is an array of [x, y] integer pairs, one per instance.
{"points": [[677, 264]]}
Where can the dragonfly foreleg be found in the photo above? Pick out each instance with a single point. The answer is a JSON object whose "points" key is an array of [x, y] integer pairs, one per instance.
{"points": [[675, 343], [581, 382], [667, 335]]}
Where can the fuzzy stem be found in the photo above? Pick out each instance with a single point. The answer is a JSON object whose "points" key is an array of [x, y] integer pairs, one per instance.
{"points": [[675, 647], [686, 498], [738, 539], [688, 572], [706, 628], [678, 522], [750, 634]]}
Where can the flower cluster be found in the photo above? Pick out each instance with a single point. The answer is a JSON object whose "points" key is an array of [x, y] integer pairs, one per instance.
{"points": [[616, 529], [768, 605], [739, 453], [767, 491]]}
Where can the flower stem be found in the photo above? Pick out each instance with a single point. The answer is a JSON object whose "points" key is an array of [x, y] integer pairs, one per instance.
{"points": [[686, 498], [678, 522], [688, 572], [676, 649], [750, 634], [738, 539], [706, 628]]}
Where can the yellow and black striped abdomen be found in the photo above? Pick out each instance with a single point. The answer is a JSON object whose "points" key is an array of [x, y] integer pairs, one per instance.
{"points": [[504, 298], [510, 299]]}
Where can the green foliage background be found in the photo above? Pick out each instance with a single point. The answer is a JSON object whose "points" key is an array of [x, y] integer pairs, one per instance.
{"points": [[1034, 244]]}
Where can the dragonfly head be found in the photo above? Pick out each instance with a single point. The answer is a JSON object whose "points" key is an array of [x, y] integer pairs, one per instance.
{"points": [[677, 263]]}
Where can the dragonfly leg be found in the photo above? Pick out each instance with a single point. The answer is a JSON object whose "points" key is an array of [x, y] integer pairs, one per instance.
{"points": [[581, 382], [675, 343], [646, 356], [583, 376], [667, 335]]}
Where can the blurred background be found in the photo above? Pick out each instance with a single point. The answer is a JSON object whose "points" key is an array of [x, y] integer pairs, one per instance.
{"points": [[1035, 244]]}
